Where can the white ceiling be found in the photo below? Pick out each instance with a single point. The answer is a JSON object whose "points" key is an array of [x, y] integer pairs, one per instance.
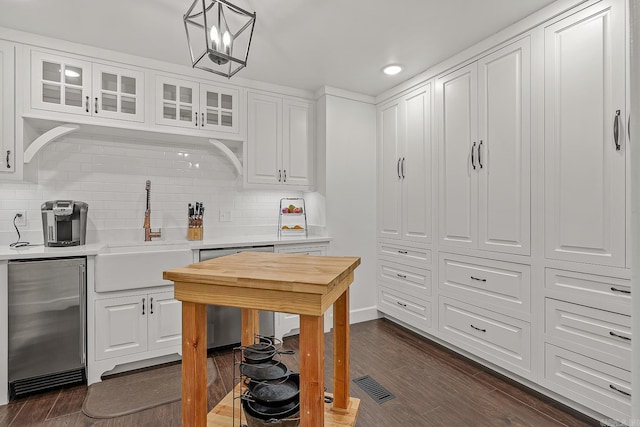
{"points": [[305, 44]]}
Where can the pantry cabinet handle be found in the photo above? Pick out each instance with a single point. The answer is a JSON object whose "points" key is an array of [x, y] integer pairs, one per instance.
{"points": [[615, 130], [402, 167], [478, 279], [151, 306], [478, 329], [473, 160], [8, 164], [479, 150], [202, 119], [613, 334], [402, 252], [401, 304], [629, 127], [143, 300], [279, 175], [96, 105], [284, 175], [622, 291], [612, 387], [398, 168], [402, 276], [86, 105]]}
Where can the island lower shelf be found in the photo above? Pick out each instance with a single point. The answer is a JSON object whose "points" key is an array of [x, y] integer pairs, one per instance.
{"points": [[222, 414]]}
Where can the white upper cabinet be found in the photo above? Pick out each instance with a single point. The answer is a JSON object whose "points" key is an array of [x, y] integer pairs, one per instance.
{"points": [[405, 167], [280, 142], [7, 109], [585, 144], [76, 86], [484, 134], [198, 106]]}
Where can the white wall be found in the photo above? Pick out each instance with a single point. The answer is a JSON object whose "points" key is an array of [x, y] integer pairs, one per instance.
{"points": [[110, 176], [350, 191]]}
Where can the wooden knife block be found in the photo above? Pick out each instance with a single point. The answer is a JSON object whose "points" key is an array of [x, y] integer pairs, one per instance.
{"points": [[195, 233]]}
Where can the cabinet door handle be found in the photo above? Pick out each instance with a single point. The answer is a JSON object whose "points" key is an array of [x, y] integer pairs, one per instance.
{"points": [[402, 167], [612, 387], [401, 304], [478, 279], [8, 164], [473, 160], [96, 105], [616, 124], [398, 168], [478, 329], [284, 175], [202, 120], [402, 252], [151, 306], [143, 300], [622, 337], [86, 104], [196, 114], [402, 276], [479, 151], [622, 291], [279, 175], [629, 127]]}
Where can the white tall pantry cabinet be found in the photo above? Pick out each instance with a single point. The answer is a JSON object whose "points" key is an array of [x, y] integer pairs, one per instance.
{"points": [[528, 270]]}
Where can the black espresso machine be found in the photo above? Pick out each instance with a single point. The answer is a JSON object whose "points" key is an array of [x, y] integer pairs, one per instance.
{"points": [[64, 223]]}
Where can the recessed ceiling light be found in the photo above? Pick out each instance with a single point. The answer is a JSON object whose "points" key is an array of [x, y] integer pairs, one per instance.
{"points": [[392, 70]]}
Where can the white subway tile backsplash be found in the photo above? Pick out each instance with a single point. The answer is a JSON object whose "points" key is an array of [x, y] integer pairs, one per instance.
{"points": [[110, 176]]}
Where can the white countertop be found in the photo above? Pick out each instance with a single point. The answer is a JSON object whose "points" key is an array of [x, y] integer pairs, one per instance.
{"points": [[39, 251]]}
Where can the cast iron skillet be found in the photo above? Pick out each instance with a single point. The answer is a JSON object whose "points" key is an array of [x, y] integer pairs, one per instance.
{"points": [[262, 352], [262, 412], [278, 392], [271, 370]]}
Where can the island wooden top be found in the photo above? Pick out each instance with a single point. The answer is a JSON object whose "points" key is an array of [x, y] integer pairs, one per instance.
{"points": [[292, 283]]}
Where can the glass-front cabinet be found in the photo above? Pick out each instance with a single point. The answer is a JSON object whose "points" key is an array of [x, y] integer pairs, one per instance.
{"points": [[71, 85], [193, 105]]}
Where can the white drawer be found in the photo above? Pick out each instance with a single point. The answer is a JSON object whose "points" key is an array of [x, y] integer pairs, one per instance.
{"points": [[417, 257], [497, 285], [500, 339], [404, 307], [598, 334], [599, 386], [607, 293], [409, 280]]}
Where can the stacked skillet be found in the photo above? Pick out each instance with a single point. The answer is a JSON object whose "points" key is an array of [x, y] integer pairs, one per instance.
{"points": [[272, 396]]}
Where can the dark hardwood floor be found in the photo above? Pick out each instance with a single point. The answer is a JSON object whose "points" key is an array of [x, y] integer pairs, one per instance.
{"points": [[433, 387]]}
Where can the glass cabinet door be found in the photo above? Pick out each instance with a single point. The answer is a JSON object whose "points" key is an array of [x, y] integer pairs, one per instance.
{"points": [[60, 84], [177, 103], [118, 93], [219, 108]]}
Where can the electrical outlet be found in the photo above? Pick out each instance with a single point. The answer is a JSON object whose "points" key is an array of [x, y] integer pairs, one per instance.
{"points": [[21, 218], [225, 216]]}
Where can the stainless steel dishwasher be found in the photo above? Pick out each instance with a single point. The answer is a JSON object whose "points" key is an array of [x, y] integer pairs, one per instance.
{"points": [[224, 324], [47, 324]]}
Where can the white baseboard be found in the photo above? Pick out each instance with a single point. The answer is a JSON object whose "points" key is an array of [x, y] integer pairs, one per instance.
{"points": [[364, 314]]}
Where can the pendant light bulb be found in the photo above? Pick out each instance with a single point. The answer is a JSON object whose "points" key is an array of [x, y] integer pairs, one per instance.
{"points": [[226, 40], [215, 38]]}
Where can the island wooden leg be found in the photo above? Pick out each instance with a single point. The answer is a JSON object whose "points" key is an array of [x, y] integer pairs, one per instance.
{"points": [[194, 364], [250, 325], [341, 353], [311, 371]]}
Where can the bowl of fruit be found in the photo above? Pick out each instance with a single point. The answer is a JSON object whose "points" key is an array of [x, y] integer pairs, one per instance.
{"points": [[291, 209]]}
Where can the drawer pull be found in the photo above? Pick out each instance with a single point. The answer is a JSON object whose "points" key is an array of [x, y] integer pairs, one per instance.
{"points": [[401, 304], [612, 387], [478, 279], [613, 334], [403, 252], [402, 276], [622, 291], [478, 329]]}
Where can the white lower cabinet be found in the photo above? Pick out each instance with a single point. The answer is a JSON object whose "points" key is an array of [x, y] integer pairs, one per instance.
{"points": [[499, 339], [131, 327], [600, 386], [406, 308], [285, 323]]}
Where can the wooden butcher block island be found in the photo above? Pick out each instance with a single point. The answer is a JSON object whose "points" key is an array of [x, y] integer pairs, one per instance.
{"points": [[291, 283]]}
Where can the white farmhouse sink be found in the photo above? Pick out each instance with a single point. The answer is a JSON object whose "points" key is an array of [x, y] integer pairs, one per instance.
{"points": [[124, 267]]}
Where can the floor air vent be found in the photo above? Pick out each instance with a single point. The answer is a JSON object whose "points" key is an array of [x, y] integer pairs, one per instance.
{"points": [[373, 389], [25, 387]]}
